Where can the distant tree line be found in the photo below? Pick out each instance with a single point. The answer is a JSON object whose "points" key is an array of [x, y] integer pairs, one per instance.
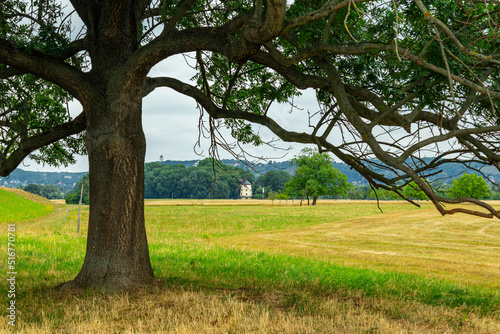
{"points": [[271, 182], [467, 185], [73, 196], [206, 180], [49, 191], [314, 177]]}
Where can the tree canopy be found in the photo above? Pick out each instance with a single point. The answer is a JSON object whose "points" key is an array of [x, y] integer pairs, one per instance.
{"points": [[273, 180], [394, 81], [469, 185], [412, 191], [315, 176]]}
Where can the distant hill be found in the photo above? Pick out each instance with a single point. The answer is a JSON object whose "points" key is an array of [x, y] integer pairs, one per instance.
{"points": [[449, 171], [20, 177], [259, 168]]}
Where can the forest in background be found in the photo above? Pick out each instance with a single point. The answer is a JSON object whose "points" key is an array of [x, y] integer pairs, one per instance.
{"points": [[201, 179], [68, 179]]}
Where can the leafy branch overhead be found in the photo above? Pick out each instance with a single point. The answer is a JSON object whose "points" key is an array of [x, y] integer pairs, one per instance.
{"points": [[395, 81]]}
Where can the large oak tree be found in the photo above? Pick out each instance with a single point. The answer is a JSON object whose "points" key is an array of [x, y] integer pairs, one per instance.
{"points": [[394, 80]]}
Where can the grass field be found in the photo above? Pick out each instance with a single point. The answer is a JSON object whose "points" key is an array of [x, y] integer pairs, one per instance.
{"points": [[253, 268], [19, 205]]}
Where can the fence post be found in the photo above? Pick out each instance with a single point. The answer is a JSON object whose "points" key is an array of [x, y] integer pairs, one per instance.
{"points": [[79, 211]]}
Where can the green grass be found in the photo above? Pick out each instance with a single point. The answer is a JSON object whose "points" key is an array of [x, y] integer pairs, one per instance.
{"points": [[14, 208], [462, 249], [216, 267], [51, 259], [200, 229], [209, 271], [187, 222]]}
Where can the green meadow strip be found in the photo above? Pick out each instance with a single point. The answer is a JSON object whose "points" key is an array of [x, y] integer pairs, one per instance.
{"points": [[216, 267], [48, 259], [15, 208]]}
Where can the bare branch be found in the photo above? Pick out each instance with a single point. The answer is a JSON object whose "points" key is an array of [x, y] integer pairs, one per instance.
{"points": [[433, 20]]}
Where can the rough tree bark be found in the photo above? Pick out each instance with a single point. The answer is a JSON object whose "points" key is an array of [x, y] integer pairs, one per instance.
{"points": [[117, 255]]}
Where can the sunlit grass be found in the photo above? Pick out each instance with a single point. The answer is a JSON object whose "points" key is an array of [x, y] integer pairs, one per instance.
{"points": [[271, 269], [458, 248], [184, 222], [15, 207]]}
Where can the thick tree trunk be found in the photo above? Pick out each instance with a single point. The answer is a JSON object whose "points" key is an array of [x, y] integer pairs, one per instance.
{"points": [[315, 198], [117, 255]]}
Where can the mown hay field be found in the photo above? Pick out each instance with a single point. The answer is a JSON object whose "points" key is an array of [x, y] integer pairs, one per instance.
{"points": [[254, 267]]}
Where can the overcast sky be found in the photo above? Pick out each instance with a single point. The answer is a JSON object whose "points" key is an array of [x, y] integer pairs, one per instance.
{"points": [[170, 122]]}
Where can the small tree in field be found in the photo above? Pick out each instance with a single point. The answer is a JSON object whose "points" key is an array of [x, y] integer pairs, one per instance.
{"points": [[472, 186], [315, 176], [282, 196]]}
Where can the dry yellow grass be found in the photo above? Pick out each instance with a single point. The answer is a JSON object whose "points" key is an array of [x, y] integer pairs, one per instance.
{"points": [[212, 202], [460, 248], [257, 202], [229, 311]]}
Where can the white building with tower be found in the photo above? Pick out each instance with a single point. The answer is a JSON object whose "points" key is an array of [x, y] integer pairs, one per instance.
{"points": [[245, 190]]}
